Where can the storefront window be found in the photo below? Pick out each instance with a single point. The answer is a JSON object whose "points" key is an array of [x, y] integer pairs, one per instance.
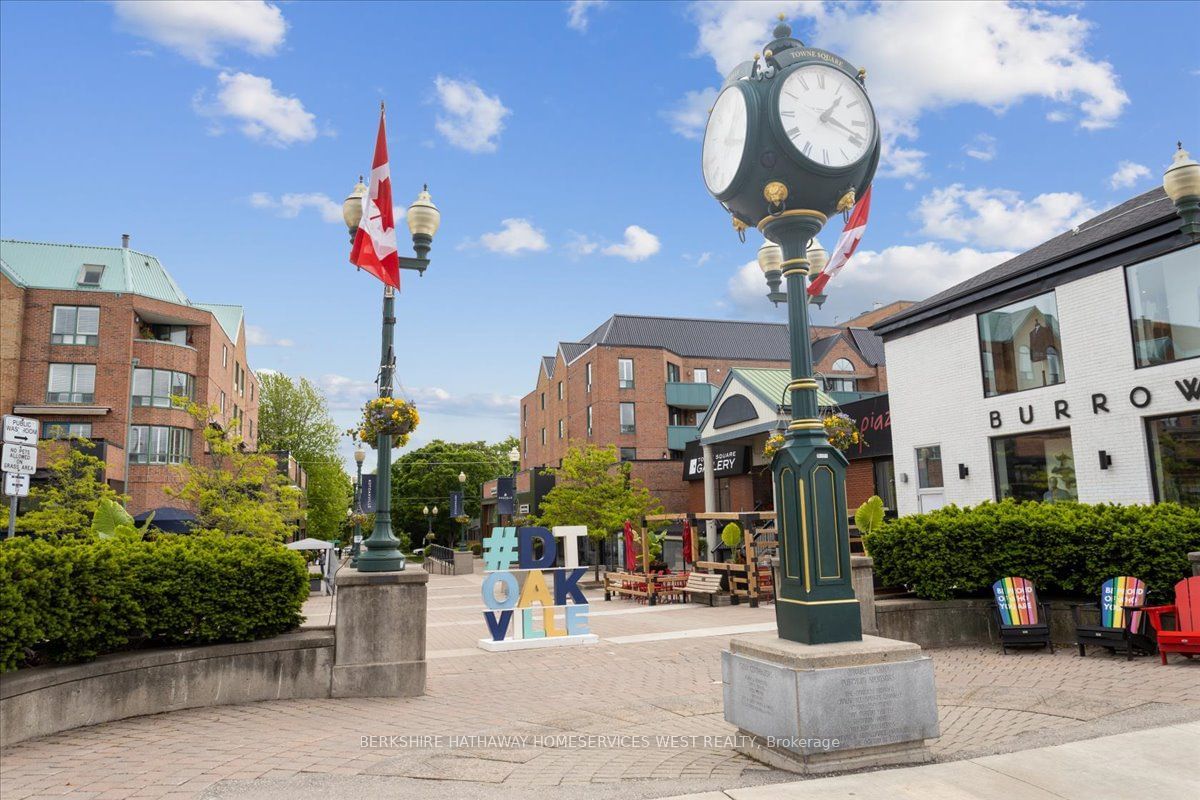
{"points": [[1020, 347], [1035, 466], [1164, 309], [1175, 458]]}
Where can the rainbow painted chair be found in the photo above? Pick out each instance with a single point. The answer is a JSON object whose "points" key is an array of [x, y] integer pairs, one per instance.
{"points": [[1022, 619], [1122, 623]]}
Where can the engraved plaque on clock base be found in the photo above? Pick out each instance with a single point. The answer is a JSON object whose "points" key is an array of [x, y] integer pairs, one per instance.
{"points": [[816, 709]]}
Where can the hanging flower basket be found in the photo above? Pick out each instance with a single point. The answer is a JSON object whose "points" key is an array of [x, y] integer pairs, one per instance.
{"points": [[774, 445], [387, 416], [841, 431]]}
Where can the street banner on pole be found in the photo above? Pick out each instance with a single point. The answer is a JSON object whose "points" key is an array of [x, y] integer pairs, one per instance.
{"points": [[366, 494], [505, 492], [456, 504]]}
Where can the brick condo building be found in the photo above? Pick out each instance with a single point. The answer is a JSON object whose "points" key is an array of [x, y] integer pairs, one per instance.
{"points": [[89, 335], [643, 383]]}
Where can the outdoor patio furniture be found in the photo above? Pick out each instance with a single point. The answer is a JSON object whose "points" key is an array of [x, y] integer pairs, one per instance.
{"points": [[1022, 619], [1121, 623], [1184, 637], [705, 584]]}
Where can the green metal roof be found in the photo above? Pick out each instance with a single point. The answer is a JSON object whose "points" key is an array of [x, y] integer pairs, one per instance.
{"points": [[771, 385], [42, 265], [229, 317]]}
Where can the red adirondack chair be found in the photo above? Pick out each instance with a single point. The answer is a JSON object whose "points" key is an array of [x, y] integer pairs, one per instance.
{"points": [[1185, 636]]}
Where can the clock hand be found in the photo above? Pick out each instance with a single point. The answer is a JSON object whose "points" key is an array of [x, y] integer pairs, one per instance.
{"points": [[837, 124], [828, 111]]}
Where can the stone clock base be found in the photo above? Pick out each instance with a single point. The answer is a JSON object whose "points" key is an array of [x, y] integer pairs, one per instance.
{"points": [[823, 708]]}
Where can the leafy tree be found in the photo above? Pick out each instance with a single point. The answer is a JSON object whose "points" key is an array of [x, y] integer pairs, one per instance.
{"points": [[426, 477], [593, 487], [294, 416], [236, 492], [63, 506]]}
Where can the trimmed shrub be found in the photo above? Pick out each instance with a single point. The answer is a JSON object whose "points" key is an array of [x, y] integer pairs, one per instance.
{"points": [[1062, 547], [74, 600]]}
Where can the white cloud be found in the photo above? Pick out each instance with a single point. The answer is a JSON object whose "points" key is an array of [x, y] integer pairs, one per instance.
{"points": [[914, 272], [262, 113], [689, 116], [1057, 116], [982, 147], [746, 293], [260, 338], [515, 236], [999, 217], [926, 56], [639, 244], [578, 10], [290, 205], [471, 119], [580, 245], [201, 29], [349, 393], [1128, 173], [703, 258]]}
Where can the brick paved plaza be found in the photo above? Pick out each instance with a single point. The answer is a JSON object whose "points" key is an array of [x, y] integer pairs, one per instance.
{"points": [[655, 673]]}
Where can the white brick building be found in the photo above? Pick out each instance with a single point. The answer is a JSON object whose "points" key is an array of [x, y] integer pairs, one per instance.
{"points": [[1069, 372]]}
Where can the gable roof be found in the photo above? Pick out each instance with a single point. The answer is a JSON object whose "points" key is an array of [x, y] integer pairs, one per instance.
{"points": [[771, 385], [1150, 218], [870, 344], [573, 350], [821, 347], [548, 365], [41, 265], [756, 341]]}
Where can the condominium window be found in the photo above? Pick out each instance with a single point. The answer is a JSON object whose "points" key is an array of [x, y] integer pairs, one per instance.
{"points": [[1035, 466], [159, 444], [628, 423], [175, 334], [672, 373], [562, 429], [587, 377], [543, 400], [842, 365], [524, 416], [700, 376], [628, 453], [90, 274], [224, 357], [1175, 458], [71, 383], [75, 325], [624, 373], [221, 403], [543, 435], [560, 390], [67, 430], [589, 420], [155, 387], [252, 393], [1164, 308], [1020, 346]]}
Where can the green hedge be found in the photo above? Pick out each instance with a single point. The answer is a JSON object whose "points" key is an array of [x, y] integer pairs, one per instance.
{"points": [[74, 600], [1062, 547]]}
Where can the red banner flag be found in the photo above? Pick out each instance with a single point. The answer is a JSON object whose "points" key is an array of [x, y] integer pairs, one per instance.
{"points": [[375, 243], [847, 244]]}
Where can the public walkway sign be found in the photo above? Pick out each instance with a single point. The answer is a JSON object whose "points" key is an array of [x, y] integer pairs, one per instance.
{"points": [[20, 430]]}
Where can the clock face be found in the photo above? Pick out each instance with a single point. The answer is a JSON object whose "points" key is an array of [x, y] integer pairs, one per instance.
{"points": [[826, 116], [725, 140]]}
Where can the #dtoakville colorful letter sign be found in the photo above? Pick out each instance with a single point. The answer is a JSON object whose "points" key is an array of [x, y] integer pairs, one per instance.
{"points": [[519, 559]]}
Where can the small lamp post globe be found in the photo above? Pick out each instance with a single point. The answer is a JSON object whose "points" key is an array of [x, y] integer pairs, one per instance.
{"points": [[817, 260], [770, 257], [1181, 182]]}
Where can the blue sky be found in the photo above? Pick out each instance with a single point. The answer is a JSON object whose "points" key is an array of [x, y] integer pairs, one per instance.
{"points": [[561, 142]]}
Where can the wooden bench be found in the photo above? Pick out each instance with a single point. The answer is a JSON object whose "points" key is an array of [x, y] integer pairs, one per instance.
{"points": [[705, 584]]}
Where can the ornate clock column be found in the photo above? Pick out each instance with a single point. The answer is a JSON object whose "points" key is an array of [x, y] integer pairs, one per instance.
{"points": [[815, 602]]}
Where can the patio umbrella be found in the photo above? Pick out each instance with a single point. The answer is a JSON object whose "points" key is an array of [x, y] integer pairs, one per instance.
{"points": [[630, 558], [168, 519], [687, 542]]}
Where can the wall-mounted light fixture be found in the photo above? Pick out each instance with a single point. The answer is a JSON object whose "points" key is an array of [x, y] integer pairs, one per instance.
{"points": [[904, 477], [963, 471], [1105, 459]]}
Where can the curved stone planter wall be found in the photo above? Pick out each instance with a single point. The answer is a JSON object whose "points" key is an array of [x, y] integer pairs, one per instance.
{"points": [[44, 700], [951, 623]]}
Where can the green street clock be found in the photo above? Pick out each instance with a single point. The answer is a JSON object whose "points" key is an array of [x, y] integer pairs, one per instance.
{"points": [[792, 140]]}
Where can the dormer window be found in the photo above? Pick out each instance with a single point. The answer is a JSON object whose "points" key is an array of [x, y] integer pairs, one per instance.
{"points": [[90, 274]]}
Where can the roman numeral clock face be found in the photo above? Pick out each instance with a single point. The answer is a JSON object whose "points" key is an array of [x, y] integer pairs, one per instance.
{"points": [[826, 116], [724, 140]]}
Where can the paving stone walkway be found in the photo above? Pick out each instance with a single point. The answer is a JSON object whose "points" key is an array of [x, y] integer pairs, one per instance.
{"points": [[637, 715]]}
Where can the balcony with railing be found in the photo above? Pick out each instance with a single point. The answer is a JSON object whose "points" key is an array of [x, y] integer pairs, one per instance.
{"points": [[679, 435], [692, 396]]}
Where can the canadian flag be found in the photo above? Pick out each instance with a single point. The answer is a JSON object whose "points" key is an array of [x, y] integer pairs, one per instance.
{"points": [[375, 243], [848, 242]]}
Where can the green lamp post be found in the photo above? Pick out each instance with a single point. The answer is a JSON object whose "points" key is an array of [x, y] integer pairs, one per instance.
{"points": [[382, 547], [791, 141], [462, 525]]}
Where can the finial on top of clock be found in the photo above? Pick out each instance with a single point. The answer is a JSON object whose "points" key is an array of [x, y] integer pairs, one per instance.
{"points": [[782, 30]]}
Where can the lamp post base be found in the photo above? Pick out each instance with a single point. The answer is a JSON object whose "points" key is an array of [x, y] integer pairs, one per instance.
{"points": [[381, 561]]}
